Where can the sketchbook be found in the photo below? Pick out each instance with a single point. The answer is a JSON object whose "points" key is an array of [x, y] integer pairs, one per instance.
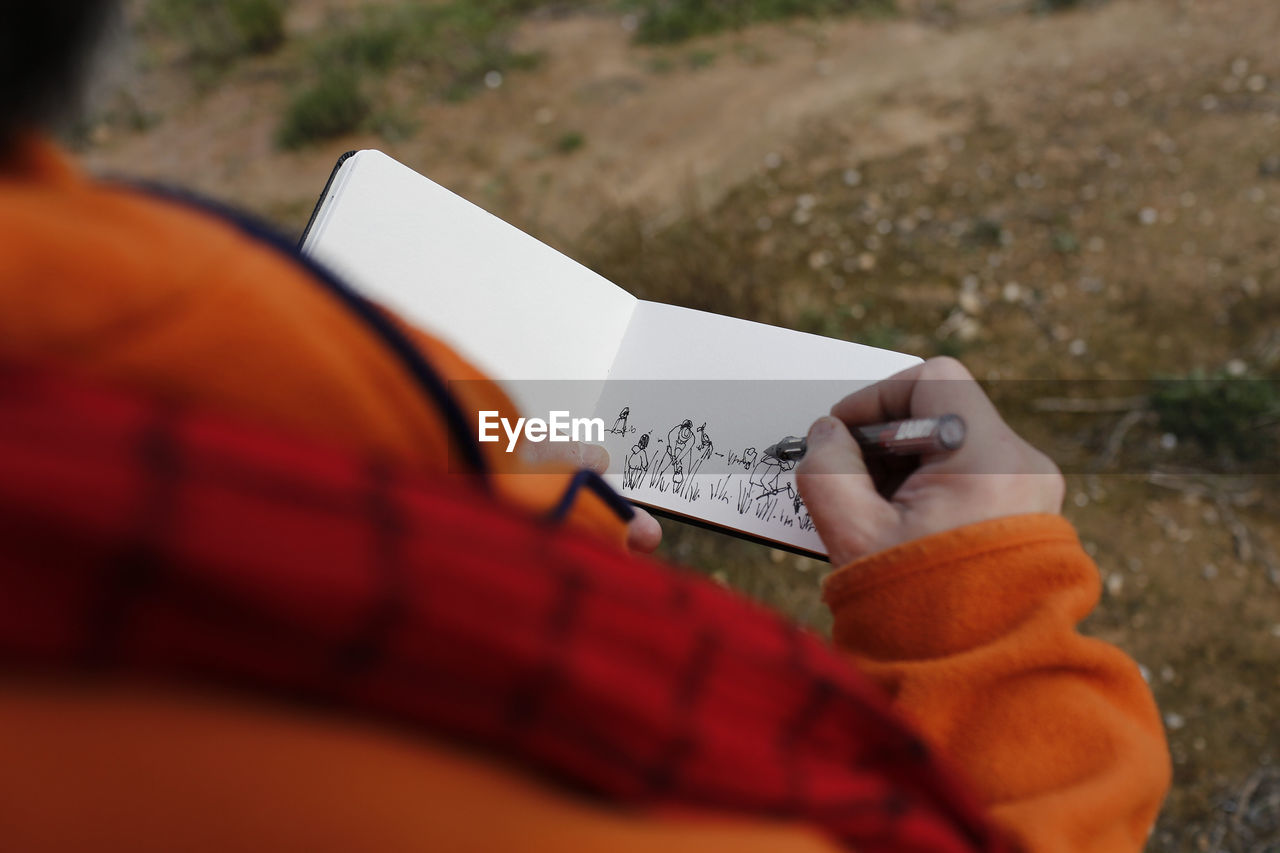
{"points": [[688, 400]]}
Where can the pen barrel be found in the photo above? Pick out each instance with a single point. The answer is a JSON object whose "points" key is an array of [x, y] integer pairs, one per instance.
{"points": [[912, 437]]}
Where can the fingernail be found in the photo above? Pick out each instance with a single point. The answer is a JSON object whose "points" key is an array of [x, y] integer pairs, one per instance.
{"points": [[822, 428]]}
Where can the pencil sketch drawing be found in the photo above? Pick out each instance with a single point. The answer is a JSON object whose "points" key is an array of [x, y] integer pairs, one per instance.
{"points": [[676, 455], [620, 423], [636, 465], [755, 482]]}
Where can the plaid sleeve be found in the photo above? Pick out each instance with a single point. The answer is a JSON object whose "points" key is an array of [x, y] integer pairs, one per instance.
{"points": [[139, 539]]}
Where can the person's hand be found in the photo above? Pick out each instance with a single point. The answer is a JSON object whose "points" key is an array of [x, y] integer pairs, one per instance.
{"points": [[994, 474], [644, 534]]}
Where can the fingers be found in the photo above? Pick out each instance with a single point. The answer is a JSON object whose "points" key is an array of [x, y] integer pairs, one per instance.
{"points": [[887, 400], [644, 534], [851, 517], [996, 473], [575, 453], [937, 387], [594, 457]]}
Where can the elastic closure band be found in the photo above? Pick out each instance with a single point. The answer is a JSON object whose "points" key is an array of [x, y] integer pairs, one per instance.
{"points": [[595, 484]]}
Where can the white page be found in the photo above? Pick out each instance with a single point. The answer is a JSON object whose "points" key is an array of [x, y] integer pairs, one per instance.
{"points": [[740, 386], [513, 306]]}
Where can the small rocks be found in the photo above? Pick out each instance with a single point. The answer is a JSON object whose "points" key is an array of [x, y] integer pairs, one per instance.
{"points": [[960, 326]]}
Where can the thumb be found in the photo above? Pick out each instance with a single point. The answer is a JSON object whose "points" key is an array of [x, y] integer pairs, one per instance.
{"points": [[852, 519]]}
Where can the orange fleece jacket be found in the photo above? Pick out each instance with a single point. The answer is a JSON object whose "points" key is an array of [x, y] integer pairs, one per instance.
{"points": [[972, 631], [113, 284]]}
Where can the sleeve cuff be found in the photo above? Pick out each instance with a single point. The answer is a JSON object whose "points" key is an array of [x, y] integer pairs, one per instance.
{"points": [[960, 588]]}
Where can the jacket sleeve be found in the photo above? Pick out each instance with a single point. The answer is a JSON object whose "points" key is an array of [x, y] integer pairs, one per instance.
{"points": [[973, 633]]}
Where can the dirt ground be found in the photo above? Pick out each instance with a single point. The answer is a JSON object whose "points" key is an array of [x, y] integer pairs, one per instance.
{"points": [[1089, 197]]}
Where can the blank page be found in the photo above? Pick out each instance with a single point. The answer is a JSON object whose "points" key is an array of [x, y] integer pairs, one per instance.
{"points": [[514, 307]]}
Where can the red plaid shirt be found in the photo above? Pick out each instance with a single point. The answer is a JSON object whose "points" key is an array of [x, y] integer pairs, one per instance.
{"points": [[138, 539]]}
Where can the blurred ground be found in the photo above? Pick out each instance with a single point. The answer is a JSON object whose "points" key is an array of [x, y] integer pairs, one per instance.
{"points": [[1092, 195]]}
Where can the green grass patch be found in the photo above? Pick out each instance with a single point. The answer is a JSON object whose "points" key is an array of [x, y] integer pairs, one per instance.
{"points": [[1238, 418], [570, 141], [451, 42], [447, 48], [699, 59], [444, 49], [216, 32], [987, 233], [669, 21], [335, 104]]}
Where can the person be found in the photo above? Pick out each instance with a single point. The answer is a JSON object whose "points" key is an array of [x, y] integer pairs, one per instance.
{"points": [[675, 456], [766, 478], [636, 463], [259, 587]]}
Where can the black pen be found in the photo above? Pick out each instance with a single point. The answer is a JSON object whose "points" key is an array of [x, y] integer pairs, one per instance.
{"points": [[911, 437]]}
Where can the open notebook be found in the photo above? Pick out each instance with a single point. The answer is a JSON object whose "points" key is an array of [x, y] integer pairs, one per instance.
{"points": [[689, 400]]}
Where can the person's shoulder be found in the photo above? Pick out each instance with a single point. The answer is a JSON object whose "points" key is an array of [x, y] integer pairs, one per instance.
{"points": [[53, 210]]}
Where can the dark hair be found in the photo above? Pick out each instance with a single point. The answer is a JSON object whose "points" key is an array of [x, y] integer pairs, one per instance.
{"points": [[45, 46]]}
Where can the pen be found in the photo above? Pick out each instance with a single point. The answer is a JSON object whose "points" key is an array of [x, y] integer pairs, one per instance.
{"points": [[911, 437]]}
